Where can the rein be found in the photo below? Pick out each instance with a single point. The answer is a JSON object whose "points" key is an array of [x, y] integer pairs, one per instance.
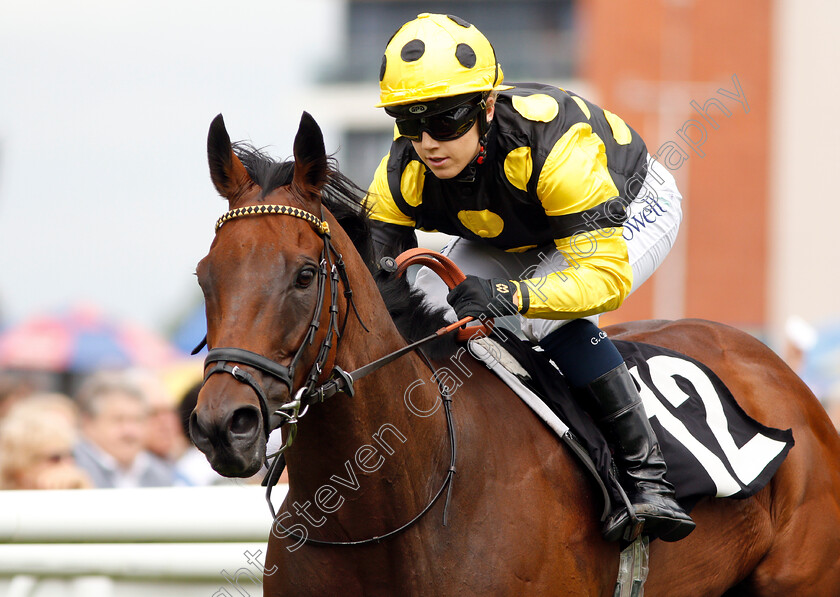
{"points": [[228, 359]]}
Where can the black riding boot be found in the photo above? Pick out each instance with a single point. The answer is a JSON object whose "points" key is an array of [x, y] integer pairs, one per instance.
{"points": [[639, 459]]}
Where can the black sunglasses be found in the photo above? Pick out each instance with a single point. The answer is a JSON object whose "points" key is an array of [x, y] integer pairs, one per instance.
{"points": [[446, 126]]}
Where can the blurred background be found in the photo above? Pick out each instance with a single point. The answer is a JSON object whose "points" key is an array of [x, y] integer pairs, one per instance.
{"points": [[106, 203]]}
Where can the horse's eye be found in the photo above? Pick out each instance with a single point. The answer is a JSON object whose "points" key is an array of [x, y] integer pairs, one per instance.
{"points": [[305, 277]]}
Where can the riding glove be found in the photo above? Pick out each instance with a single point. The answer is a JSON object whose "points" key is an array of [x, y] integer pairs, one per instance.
{"points": [[478, 296]]}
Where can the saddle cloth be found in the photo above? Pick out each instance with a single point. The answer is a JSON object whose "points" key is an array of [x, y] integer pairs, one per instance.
{"points": [[711, 446]]}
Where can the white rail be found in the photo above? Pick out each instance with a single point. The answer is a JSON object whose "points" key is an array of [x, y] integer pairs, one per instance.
{"points": [[195, 539]]}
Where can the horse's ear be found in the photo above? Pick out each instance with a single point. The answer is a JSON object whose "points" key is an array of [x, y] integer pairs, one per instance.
{"points": [[310, 163], [229, 175]]}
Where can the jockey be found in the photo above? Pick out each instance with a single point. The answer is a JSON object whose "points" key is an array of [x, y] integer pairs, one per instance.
{"points": [[536, 183]]}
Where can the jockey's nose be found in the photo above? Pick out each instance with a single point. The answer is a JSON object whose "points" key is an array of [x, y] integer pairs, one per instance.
{"points": [[427, 141]]}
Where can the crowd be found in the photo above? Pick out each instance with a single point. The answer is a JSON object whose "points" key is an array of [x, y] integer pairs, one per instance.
{"points": [[117, 429]]}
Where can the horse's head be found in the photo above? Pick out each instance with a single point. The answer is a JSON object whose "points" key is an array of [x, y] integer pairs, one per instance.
{"points": [[267, 298]]}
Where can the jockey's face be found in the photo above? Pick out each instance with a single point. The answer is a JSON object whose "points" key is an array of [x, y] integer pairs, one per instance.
{"points": [[446, 159]]}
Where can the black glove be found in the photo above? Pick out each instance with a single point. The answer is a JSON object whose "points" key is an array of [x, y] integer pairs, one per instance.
{"points": [[478, 296]]}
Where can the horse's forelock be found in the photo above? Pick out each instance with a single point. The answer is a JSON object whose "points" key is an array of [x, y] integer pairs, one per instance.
{"points": [[268, 174]]}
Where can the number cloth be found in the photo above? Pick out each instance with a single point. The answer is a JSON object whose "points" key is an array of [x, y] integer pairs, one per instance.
{"points": [[711, 446]]}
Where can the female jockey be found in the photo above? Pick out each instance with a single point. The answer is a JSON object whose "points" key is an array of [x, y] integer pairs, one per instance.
{"points": [[536, 183]]}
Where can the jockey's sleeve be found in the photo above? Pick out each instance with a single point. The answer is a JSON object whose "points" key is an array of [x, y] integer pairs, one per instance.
{"points": [[593, 278], [598, 278], [380, 200]]}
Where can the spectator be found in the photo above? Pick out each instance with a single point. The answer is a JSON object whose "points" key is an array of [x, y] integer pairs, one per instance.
{"points": [[800, 338], [164, 437], [114, 417], [36, 445], [14, 387]]}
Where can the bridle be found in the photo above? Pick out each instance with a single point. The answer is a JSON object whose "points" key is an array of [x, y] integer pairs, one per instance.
{"points": [[228, 360]]}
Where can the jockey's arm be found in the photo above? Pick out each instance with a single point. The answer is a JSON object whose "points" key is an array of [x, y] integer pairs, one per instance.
{"points": [[594, 282], [598, 277], [389, 240], [392, 231]]}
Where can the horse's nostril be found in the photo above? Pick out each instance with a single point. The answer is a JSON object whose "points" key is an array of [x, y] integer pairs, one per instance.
{"points": [[199, 434], [195, 427], [244, 421]]}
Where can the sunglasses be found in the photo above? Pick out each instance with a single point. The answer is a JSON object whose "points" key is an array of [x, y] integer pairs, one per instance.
{"points": [[446, 126]]}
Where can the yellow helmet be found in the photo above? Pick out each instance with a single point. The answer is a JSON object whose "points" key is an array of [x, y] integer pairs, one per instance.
{"points": [[437, 56]]}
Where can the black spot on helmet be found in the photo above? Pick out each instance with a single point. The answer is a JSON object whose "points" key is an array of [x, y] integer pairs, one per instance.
{"points": [[460, 21], [413, 50], [465, 55]]}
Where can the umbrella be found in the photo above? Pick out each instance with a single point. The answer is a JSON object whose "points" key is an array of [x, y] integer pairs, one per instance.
{"points": [[81, 340]]}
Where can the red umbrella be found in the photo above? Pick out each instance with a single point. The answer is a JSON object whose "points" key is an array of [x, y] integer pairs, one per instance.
{"points": [[81, 340]]}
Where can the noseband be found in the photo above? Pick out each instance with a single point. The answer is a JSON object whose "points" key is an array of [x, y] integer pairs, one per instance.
{"points": [[228, 359]]}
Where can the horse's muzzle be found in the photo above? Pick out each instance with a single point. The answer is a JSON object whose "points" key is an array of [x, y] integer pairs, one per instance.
{"points": [[233, 441]]}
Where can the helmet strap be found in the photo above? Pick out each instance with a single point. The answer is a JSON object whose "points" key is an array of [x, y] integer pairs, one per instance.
{"points": [[482, 152], [483, 127], [468, 174], [482, 117]]}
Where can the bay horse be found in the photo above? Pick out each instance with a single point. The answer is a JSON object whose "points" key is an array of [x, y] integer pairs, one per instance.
{"points": [[292, 306]]}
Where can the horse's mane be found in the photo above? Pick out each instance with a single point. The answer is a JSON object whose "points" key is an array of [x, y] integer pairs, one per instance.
{"points": [[414, 318]]}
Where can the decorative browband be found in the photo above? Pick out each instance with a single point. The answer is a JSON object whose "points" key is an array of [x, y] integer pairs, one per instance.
{"points": [[321, 226]]}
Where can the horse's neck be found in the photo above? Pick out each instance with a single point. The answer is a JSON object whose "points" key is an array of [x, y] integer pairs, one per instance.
{"points": [[376, 436], [372, 445]]}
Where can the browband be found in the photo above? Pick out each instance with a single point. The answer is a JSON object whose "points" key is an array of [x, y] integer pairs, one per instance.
{"points": [[321, 226]]}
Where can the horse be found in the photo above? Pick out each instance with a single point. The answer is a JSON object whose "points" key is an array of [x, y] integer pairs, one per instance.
{"points": [[377, 503]]}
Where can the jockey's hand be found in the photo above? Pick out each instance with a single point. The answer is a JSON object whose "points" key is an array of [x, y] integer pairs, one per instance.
{"points": [[478, 296]]}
